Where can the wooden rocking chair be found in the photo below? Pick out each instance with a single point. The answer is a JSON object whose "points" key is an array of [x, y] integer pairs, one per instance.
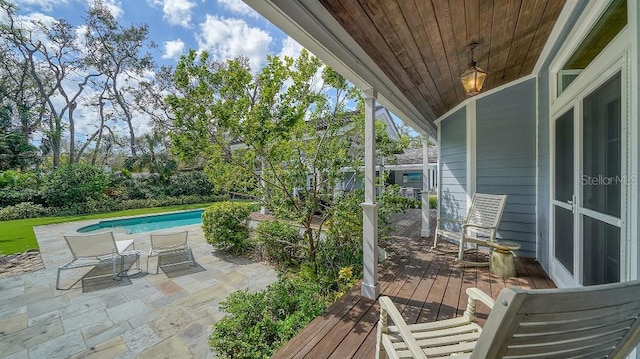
{"points": [[479, 227], [589, 322]]}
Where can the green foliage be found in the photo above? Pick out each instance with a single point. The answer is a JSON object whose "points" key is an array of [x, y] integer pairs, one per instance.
{"points": [[75, 183], [11, 197], [189, 183], [281, 241], [257, 324], [23, 210], [433, 201], [225, 225], [16, 152], [291, 129], [18, 180]]}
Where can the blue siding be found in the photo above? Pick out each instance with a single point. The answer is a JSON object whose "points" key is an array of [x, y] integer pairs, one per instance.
{"points": [[453, 166], [506, 159]]}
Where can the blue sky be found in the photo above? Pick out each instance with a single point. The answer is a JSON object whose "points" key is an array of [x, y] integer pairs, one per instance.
{"points": [[225, 28]]}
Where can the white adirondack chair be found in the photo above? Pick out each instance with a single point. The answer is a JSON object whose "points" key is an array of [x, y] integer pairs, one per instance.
{"points": [[91, 249], [589, 322], [479, 227]]}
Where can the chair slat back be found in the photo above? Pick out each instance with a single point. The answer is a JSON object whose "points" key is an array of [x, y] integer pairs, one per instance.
{"points": [[486, 210], [597, 321], [91, 245], [159, 241]]}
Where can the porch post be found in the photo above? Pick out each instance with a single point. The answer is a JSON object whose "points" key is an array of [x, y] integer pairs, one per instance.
{"points": [[370, 285], [426, 187]]}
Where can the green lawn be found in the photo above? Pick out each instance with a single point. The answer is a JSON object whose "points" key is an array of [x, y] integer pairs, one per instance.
{"points": [[17, 236]]}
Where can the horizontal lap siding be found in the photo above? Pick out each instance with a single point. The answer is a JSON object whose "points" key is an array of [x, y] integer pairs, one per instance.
{"points": [[506, 159], [453, 166]]}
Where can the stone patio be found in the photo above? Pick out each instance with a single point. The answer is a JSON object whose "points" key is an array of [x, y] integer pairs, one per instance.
{"points": [[145, 315]]}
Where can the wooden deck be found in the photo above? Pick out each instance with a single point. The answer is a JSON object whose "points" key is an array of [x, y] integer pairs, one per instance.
{"points": [[424, 285]]}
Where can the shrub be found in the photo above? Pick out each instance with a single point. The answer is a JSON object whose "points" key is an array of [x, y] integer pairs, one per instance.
{"points": [[75, 183], [18, 180], [281, 241], [225, 225], [189, 183], [433, 201], [23, 210], [257, 324], [11, 197]]}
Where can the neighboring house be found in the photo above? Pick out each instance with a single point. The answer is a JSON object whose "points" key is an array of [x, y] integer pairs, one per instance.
{"points": [[555, 127], [406, 169]]}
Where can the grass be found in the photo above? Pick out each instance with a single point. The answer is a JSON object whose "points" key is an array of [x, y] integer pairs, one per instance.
{"points": [[17, 236]]}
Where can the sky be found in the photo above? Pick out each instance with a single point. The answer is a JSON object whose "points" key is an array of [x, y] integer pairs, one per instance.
{"points": [[224, 28]]}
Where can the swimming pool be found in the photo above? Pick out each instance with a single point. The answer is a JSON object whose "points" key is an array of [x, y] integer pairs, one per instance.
{"points": [[148, 223]]}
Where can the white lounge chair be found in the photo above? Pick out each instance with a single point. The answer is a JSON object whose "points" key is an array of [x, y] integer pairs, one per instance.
{"points": [[589, 322], [92, 249], [479, 227], [169, 243]]}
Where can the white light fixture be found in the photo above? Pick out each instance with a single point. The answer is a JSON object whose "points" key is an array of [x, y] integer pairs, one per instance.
{"points": [[473, 78]]}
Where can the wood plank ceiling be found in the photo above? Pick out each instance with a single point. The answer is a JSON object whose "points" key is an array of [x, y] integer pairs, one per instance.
{"points": [[422, 45]]}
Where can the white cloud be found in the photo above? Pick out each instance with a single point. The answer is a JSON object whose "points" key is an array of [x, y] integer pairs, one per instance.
{"points": [[239, 7], [290, 48], [226, 38], [44, 5], [176, 12], [114, 7], [173, 49]]}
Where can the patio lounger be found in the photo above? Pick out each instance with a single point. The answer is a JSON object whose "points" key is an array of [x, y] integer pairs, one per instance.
{"points": [[479, 227], [91, 249], [169, 243], [588, 322]]}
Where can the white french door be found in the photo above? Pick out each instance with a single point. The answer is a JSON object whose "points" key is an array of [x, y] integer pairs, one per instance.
{"points": [[588, 187]]}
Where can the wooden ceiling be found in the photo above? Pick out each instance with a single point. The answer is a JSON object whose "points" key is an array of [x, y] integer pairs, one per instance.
{"points": [[422, 45]]}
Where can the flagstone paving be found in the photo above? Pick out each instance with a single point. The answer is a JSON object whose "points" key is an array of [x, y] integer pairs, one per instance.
{"points": [[144, 315]]}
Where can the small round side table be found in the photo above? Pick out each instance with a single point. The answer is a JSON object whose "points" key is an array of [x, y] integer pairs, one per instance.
{"points": [[501, 261]]}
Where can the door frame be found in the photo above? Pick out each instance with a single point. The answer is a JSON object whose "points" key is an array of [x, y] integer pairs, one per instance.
{"points": [[613, 59]]}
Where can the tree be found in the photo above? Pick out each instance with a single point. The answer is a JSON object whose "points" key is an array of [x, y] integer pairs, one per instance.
{"points": [[281, 133], [154, 156], [53, 58], [119, 53]]}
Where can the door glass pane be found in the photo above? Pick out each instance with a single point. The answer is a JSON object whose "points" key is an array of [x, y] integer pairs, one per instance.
{"points": [[601, 256], [564, 237], [564, 157], [602, 177]]}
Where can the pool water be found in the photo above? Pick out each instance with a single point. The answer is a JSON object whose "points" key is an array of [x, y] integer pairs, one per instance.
{"points": [[148, 223]]}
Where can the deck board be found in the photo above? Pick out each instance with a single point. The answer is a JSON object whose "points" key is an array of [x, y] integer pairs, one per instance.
{"points": [[425, 285]]}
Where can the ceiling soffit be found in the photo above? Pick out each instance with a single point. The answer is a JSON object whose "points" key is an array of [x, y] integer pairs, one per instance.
{"points": [[422, 45]]}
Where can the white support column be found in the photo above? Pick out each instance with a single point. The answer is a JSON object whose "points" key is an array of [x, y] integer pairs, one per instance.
{"points": [[426, 186], [471, 151], [370, 285]]}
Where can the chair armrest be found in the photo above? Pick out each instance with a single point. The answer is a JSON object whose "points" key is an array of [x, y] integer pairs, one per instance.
{"points": [[387, 306], [476, 294], [467, 225], [449, 220]]}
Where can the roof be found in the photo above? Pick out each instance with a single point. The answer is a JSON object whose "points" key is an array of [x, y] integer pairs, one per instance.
{"points": [[412, 156]]}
